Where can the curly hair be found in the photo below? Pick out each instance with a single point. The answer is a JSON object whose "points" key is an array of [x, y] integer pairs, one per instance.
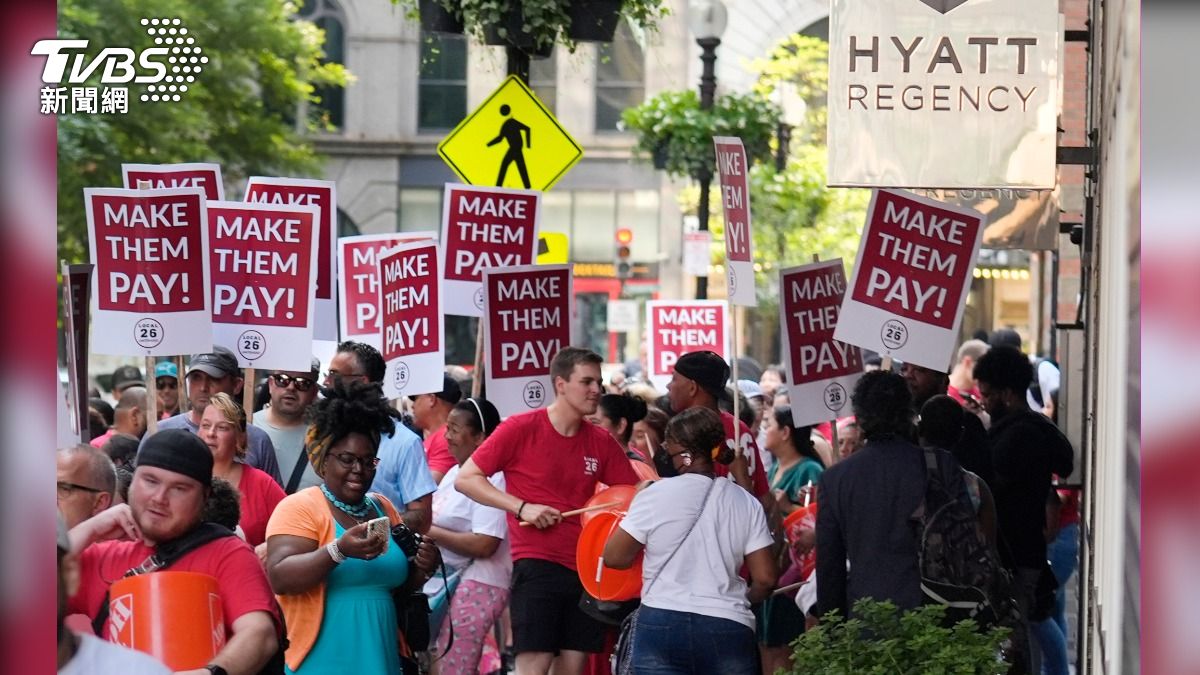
{"points": [[882, 406], [801, 438], [941, 422], [369, 359], [347, 408], [1005, 368], [623, 407], [700, 431], [223, 506]]}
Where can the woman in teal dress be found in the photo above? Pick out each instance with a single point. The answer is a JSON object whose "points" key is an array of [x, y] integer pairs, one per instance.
{"points": [[797, 466], [333, 575]]}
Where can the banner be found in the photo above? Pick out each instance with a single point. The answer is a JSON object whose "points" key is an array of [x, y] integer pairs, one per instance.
{"points": [[482, 228], [528, 320], [911, 278], [77, 287], [697, 252], [358, 283], [410, 305], [150, 292], [676, 327], [821, 371], [263, 268], [163, 176], [323, 195], [733, 170]]}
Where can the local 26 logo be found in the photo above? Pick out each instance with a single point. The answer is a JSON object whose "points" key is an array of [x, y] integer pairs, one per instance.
{"points": [[167, 68]]}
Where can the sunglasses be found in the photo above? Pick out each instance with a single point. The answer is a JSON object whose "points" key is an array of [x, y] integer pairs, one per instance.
{"points": [[302, 383], [167, 383]]}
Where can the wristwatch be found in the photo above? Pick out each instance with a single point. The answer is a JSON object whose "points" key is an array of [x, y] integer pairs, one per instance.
{"points": [[215, 669]]}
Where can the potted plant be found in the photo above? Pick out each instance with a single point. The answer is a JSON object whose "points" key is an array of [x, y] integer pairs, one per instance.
{"points": [[438, 16], [593, 20], [677, 134]]}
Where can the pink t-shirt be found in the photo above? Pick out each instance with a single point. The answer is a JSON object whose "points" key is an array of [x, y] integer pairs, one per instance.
{"points": [[541, 466]]}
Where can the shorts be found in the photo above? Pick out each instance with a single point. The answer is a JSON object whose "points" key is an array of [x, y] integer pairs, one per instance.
{"points": [[544, 606]]}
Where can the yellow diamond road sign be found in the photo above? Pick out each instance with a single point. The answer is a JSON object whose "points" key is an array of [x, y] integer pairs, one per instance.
{"points": [[511, 140]]}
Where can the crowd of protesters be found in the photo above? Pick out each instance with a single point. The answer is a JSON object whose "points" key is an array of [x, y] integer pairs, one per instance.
{"points": [[324, 511]]}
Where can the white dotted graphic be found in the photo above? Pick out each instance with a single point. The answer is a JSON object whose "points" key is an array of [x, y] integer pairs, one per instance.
{"points": [[185, 60]]}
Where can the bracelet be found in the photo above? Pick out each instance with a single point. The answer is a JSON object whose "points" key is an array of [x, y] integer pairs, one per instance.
{"points": [[335, 553], [519, 509]]}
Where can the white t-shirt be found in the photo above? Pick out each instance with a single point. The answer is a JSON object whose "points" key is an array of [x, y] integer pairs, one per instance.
{"points": [[97, 657], [455, 511], [702, 578]]}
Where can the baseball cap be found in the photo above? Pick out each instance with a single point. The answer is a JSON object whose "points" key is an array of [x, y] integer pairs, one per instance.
{"points": [[218, 363], [749, 388], [705, 368], [125, 377], [451, 391], [166, 369]]}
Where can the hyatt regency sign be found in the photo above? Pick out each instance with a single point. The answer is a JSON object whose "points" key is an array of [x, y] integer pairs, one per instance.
{"points": [[943, 93]]}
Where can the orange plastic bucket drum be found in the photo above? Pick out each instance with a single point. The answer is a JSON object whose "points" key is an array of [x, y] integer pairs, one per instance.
{"points": [[599, 580], [622, 494], [174, 616]]}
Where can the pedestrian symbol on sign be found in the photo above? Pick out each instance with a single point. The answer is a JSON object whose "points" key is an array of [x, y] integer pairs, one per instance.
{"points": [[511, 132]]}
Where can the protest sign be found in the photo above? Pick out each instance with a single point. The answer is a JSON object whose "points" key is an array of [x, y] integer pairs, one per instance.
{"points": [[734, 173], [410, 307], [911, 278], [163, 176], [697, 252], [358, 282], [263, 268], [528, 320], [821, 371], [150, 294], [77, 288], [323, 195], [482, 228], [676, 327]]}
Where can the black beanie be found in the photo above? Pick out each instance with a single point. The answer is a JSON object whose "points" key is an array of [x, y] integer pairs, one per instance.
{"points": [[178, 450], [705, 368]]}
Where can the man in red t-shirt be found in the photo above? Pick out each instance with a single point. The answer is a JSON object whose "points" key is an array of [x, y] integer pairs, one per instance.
{"points": [[551, 459], [166, 502], [430, 412], [699, 381]]}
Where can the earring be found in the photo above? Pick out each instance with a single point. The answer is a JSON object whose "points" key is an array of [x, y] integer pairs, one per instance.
{"points": [[687, 459]]}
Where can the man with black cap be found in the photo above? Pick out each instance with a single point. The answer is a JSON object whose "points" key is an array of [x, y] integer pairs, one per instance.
{"points": [[292, 392], [211, 374], [430, 412], [123, 378], [699, 381], [172, 481]]}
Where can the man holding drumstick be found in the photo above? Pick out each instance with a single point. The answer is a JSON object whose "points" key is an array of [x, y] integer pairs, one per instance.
{"points": [[552, 459]]}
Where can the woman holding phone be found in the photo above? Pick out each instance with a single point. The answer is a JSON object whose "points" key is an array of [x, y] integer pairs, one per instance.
{"points": [[332, 568]]}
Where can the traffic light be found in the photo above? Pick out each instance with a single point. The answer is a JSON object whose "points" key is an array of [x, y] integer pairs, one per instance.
{"points": [[622, 264]]}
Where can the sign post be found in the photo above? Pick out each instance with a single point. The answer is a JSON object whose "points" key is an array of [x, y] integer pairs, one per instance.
{"points": [[77, 286]]}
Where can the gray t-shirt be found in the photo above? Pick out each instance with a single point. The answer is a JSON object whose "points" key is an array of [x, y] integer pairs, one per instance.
{"points": [[289, 447], [97, 657], [260, 453]]}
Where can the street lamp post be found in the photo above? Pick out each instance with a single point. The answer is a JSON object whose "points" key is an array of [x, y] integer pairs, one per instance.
{"points": [[707, 22], [794, 109]]}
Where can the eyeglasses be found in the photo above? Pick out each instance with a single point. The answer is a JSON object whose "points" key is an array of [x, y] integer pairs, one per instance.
{"points": [[65, 490], [335, 375], [348, 461], [302, 383]]}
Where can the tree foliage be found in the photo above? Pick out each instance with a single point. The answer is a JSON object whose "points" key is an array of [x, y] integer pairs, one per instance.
{"points": [[240, 112]]}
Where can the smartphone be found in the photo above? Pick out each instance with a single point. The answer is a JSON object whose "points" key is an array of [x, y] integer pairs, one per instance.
{"points": [[379, 528]]}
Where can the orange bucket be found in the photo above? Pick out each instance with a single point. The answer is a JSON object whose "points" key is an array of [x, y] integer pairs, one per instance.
{"points": [[599, 580], [623, 494], [174, 616]]}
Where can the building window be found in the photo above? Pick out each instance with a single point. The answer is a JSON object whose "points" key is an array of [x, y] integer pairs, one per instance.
{"points": [[620, 78], [638, 210], [543, 81], [594, 226], [443, 82], [346, 227], [329, 110], [421, 210]]}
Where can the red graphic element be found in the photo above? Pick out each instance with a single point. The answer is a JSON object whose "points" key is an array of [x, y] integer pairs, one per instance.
{"points": [[408, 302], [529, 320], [488, 229]]}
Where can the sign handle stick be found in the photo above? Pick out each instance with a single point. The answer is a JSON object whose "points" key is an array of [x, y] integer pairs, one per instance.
{"points": [[151, 397], [181, 381], [737, 428], [834, 437], [886, 363], [248, 393], [477, 379]]}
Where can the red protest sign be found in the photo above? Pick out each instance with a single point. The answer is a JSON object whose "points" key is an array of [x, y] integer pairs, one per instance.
{"points": [[821, 370], [911, 278], [162, 176], [484, 228], [677, 327], [528, 321], [150, 287], [358, 282], [734, 173], [410, 304], [263, 269], [323, 195]]}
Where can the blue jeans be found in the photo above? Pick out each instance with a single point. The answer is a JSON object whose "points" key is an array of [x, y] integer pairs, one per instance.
{"points": [[667, 642]]}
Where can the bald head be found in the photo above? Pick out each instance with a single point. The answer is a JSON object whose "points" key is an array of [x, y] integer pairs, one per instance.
{"points": [[961, 376], [129, 417]]}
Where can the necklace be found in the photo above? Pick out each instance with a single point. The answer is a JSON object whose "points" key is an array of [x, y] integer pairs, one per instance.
{"points": [[357, 511]]}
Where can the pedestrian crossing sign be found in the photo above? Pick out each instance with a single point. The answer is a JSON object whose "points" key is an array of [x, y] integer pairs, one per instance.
{"points": [[511, 140]]}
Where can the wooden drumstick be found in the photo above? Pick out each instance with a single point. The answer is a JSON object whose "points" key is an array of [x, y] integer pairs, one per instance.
{"points": [[596, 507]]}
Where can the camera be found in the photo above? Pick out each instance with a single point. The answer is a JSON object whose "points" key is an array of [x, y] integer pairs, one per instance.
{"points": [[407, 539]]}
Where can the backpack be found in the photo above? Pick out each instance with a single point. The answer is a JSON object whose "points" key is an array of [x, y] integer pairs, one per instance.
{"points": [[1035, 387], [959, 569]]}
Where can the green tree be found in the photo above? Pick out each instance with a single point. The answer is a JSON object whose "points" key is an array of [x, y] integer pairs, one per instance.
{"points": [[240, 112]]}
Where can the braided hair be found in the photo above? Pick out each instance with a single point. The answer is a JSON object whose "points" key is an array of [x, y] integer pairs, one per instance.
{"points": [[347, 408]]}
